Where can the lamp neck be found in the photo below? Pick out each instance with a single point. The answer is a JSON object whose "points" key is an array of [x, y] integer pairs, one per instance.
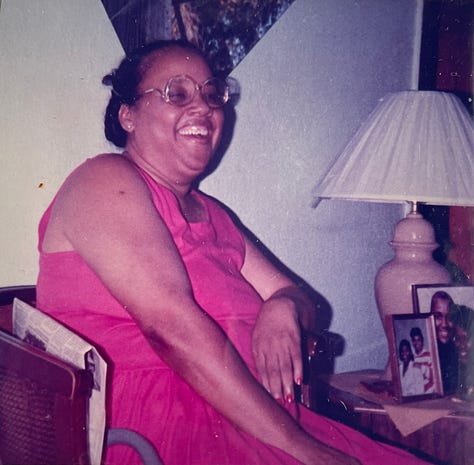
{"points": [[414, 233]]}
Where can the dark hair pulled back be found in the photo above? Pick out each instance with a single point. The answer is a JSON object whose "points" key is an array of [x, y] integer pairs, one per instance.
{"points": [[125, 80]]}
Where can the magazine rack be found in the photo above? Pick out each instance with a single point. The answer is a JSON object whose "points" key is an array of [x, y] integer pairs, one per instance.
{"points": [[43, 407], [44, 402]]}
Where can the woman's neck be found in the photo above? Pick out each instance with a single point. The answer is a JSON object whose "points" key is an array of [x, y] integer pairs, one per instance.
{"points": [[191, 208], [179, 188], [405, 366]]}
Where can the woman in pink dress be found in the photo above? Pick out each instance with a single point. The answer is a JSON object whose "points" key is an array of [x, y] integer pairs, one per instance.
{"points": [[202, 333]]}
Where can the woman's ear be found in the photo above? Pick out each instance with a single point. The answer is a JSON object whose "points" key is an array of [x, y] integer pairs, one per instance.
{"points": [[125, 115]]}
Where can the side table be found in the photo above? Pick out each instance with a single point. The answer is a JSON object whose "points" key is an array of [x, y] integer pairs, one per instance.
{"points": [[449, 440]]}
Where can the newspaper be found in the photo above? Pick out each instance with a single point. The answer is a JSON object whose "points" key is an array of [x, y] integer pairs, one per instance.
{"points": [[37, 328]]}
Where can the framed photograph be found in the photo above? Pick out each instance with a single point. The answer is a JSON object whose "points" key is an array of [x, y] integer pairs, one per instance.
{"points": [[452, 308], [414, 357], [423, 295]]}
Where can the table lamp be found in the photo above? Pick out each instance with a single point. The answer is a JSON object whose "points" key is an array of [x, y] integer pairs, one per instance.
{"points": [[416, 146]]}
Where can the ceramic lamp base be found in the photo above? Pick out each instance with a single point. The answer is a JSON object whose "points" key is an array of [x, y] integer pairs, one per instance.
{"points": [[413, 263]]}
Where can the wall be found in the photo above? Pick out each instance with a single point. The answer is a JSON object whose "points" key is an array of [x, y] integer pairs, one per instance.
{"points": [[306, 87], [53, 56]]}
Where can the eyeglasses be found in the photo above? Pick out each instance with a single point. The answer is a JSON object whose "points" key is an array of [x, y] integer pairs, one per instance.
{"points": [[180, 90]]}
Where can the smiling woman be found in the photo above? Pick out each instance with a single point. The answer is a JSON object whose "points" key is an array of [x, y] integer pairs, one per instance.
{"points": [[176, 135], [202, 332]]}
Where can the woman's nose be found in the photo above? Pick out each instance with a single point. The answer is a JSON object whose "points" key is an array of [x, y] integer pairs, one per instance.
{"points": [[199, 104]]}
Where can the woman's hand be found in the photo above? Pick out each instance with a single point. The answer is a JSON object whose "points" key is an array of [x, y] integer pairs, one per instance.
{"points": [[276, 345], [276, 339]]}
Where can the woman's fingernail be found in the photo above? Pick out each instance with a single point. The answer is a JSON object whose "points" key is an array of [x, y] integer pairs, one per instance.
{"points": [[289, 398], [299, 381]]}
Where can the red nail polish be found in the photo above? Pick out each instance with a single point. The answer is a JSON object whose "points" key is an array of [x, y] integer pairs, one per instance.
{"points": [[289, 398], [299, 381]]}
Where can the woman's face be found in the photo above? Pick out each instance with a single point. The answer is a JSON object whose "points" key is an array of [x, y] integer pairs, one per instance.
{"points": [[173, 143], [405, 353], [417, 342], [444, 325]]}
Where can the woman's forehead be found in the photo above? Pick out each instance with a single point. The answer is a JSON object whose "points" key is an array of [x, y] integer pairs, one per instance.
{"points": [[173, 61]]}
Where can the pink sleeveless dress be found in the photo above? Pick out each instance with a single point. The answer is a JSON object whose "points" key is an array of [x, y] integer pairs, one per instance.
{"points": [[144, 393]]}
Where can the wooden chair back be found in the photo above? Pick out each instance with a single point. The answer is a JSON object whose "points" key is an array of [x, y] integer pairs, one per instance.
{"points": [[7, 294]]}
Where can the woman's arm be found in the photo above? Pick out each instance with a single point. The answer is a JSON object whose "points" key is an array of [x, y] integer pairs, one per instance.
{"points": [[106, 214], [277, 334], [269, 282]]}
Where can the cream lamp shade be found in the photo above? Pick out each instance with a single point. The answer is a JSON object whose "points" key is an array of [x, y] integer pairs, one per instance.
{"points": [[416, 146]]}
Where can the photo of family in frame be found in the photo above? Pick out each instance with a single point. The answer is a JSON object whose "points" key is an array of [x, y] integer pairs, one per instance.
{"points": [[415, 365], [452, 308]]}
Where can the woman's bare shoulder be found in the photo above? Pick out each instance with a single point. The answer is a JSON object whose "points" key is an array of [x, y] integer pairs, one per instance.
{"points": [[104, 184], [104, 175], [105, 165], [102, 187]]}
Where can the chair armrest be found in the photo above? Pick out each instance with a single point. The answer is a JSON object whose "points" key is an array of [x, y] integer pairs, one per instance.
{"points": [[319, 352]]}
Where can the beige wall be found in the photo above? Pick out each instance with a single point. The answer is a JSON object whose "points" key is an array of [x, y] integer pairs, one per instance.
{"points": [[53, 55]]}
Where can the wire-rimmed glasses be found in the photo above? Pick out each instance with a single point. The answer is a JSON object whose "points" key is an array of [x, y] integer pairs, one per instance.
{"points": [[181, 90]]}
